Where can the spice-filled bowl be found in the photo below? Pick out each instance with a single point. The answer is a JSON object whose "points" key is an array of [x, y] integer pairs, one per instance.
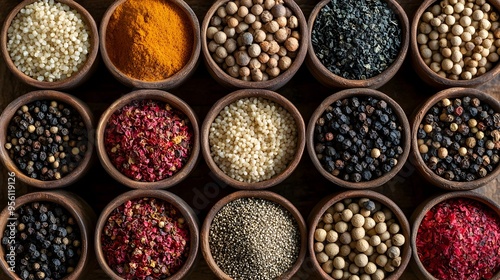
{"points": [[151, 44], [147, 233], [258, 45], [233, 228], [456, 235], [148, 139], [50, 44], [358, 138], [456, 45], [456, 137], [357, 46], [253, 138], [46, 234], [46, 138], [361, 232]]}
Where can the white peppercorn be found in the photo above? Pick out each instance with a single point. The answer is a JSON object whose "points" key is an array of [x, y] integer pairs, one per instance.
{"points": [[322, 257], [327, 266], [320, 235], [361, 260], [331, 249], [319, 247]]}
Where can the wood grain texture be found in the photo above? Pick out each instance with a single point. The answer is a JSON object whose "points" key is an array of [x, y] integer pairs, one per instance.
{"points": [[304, 188]]}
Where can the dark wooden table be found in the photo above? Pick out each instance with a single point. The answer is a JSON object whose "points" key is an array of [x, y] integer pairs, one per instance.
{"points": [[304, 188]]}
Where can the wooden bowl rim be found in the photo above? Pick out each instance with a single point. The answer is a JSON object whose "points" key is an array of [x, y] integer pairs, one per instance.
{"points": [[248, 93], [157, 95], [171, 82], [331, 80], [417, 119], [75, 79], [356, 92], [69, 202], [75, 103], [272, 84], [321, 207], [424, 70], [266, 195], [427, 205], [185, 210]]}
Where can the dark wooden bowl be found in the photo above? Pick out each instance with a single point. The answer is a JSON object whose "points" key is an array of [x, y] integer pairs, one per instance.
{"points": [[81, 212], [348, 93], [419, 213], [272, 84], [267, 195], [419, 115], [328, 79], [79, 106], [325, 203], [424, 71], [171, 82], [158, 95], [233, 97], [77, 78], [185, 210]]}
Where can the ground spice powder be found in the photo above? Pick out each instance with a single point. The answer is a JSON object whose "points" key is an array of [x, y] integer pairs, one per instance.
{"points": [[149, 40], [460, 239]]}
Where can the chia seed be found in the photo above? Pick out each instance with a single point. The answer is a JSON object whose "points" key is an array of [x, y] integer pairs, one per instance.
{"points": [[253, 238]]}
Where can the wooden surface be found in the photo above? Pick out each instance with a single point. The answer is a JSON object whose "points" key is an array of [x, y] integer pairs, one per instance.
{"points": [[304, 188]]}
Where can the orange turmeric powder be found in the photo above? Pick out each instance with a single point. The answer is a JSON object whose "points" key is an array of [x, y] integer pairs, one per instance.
{"points": [[149, 40]]}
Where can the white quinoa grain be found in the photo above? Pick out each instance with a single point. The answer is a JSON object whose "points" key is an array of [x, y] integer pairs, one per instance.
{"points": [[253, 139], [48, 41]]}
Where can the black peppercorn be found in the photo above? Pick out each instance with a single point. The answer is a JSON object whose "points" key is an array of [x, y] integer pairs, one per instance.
{"points": [[356, 132]]}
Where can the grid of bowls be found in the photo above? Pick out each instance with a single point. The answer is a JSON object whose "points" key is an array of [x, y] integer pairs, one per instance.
{"points": [[244, 89]]}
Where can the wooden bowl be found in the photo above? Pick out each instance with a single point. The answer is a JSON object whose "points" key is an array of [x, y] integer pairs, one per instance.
{"points": [[325, 203], [171, 82], [272, 84], [418, 215], [328, 79], [79, 106], [419, 116], [82, 213], [424, 71], [233, 97], [77, 78], [348, 93], [185, 210], [270, 196], [158, 95]]}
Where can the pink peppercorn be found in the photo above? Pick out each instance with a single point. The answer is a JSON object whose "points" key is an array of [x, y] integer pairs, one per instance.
{"points": [[460, 239], [148, 140]]}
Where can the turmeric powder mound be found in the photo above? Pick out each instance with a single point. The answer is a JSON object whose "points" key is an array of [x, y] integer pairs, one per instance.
{"points": [[149, 40]]}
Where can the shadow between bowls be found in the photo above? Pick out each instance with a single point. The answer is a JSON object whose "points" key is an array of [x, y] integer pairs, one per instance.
{"points": [[357, 92], [171, 82], [79, 106], [424, 71], [328, 79], [272, 84], [419, 214], [267, 195], [247, 93], [321, 207], [85, 219], [161, 96], [418, 117], [78, 78], [186, 211]]}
